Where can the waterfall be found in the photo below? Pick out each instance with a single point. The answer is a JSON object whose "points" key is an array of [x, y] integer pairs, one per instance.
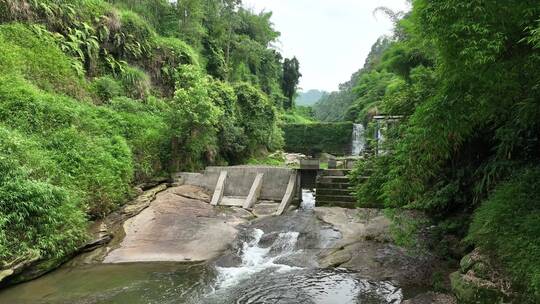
{"points": [[308, 200], [358, 140]]}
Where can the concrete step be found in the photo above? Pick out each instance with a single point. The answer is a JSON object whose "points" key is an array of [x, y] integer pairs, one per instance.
{"points": [[335, 172], [335, 198], [331, 191], [232, 201], [334, 179], [320, 185], [350, 205]]}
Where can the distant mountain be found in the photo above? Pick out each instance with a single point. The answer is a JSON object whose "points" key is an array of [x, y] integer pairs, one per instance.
{"points": [[334, 106], [309, 98]]}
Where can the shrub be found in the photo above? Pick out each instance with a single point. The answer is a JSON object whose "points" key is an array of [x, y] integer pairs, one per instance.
{"points": [[146, 132], [294, 118], [276, 159], [167, 56], [369, 190], [135, 38], [32, 213], [100, 167], [60, 14], [258, 117], [232, 140], [107, 88], [177, 51], [136, 82], [507, 225], [84, 151], [194, 118]]}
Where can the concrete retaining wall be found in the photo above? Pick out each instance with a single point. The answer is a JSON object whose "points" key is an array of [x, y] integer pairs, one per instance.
{"points": [[240, 179]]}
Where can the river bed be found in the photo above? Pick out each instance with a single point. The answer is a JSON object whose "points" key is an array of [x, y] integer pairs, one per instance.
{"points": [[273, 260]]}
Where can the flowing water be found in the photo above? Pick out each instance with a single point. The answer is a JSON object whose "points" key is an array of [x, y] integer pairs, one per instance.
{"points": [[358, 140], [273, 261]]}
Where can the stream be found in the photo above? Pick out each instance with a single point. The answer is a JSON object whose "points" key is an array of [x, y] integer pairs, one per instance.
{"points": [[272, 261]]}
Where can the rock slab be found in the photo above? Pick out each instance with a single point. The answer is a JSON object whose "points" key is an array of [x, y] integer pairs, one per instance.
{"points": [[179, 225]]}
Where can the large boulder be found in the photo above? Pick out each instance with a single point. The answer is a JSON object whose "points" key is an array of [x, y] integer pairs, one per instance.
{"points": [[477, 281], [472, 290], [293, 159]]}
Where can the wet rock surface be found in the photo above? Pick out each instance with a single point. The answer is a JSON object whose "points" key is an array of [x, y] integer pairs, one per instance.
{"points": [[265, 208], [365, 248], [276, 260], [179, 225], [330, 237], [432, 298]]}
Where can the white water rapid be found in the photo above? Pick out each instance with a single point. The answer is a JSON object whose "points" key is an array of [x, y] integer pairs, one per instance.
{"points": [[256, 259], [275, 265]]}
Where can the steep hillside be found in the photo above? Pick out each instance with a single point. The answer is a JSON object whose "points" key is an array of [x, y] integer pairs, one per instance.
{"points": [[96, 97], [459, 76]]}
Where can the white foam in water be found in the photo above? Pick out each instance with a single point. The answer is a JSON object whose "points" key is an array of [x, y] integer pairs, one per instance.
{"points": [[358, 142], [256, 259], [308, 200]]}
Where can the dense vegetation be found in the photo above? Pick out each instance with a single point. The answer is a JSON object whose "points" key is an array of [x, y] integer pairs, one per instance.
{"points": [[299, 115], [464, 76], [315, 138], [98, 96]]}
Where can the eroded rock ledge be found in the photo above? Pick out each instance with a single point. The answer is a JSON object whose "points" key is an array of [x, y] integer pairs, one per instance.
{"points": [[100, 234], [366, 247]]}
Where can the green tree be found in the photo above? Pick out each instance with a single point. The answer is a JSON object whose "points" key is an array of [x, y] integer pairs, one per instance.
{"points": [[194, 118], [462, 73], [258, 117], [290, 80]]}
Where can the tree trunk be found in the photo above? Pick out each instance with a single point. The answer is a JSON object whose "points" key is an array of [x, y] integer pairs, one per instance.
{"points": [[174, 162]]}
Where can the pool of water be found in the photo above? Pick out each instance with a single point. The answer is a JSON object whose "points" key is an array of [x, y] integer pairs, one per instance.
{"points": [[273, 261], [107, 283]]}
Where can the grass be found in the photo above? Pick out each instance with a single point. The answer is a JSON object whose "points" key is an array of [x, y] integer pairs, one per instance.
{"points": [[292, 117], [37, 59], [275, 159]]}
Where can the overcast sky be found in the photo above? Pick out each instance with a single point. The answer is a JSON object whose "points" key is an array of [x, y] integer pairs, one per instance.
{"points": [[330, 38]]}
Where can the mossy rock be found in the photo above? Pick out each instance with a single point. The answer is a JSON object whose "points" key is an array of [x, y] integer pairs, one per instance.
{"points": [[35, 271], [471, 290], [481, 270], [477, 263], [466, 263]]}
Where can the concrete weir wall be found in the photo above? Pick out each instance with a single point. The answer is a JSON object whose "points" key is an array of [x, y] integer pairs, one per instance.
{"points": [[240, 179]]}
